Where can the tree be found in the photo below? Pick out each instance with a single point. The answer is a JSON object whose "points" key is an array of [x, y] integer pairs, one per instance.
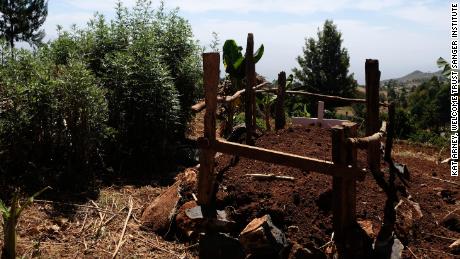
{"points": [[20, 20], [324, 64]]}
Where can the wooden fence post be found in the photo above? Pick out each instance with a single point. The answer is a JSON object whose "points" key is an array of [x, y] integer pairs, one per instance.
{"points": [[206, 175], [344, 189], [280, 116], [249, 93], [390, 131], [372, 112]]}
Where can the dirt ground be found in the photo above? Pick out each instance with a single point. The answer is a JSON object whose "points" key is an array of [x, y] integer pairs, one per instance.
{"points": [[301, 208], [93, 229]]}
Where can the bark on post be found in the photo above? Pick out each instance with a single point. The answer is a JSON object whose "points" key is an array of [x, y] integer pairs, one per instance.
{"points": [[390, 131], [206, 176], [249, 93], [344, 193], [280, 117], [372, 112]]}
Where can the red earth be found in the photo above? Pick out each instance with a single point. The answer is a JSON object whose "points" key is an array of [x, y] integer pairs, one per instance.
{"points": [[302, 208]]}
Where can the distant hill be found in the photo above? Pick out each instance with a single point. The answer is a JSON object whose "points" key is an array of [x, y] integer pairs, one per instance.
{"points": [[415, 78]]}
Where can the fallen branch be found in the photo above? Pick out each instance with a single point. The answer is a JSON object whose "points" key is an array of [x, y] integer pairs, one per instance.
{"points": [[446, 181], [121, 242], [271, 177], [442, 237], [408, 248]]}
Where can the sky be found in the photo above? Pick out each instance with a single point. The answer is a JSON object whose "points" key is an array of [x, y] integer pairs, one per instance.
{"points": [[404, 35]]}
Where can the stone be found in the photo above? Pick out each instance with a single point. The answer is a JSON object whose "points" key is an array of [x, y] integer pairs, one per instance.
{"points": [[368, 227], [190, 221], [261, 238], [396, 249], [455, 247], [407, 213], [451, 221], [161, 212]]}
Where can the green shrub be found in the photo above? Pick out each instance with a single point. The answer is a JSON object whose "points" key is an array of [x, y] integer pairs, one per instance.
{"points": [[52, 122]]}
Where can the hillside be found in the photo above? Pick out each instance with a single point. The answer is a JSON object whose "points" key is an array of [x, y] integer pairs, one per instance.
{"points": [[415, 78]]}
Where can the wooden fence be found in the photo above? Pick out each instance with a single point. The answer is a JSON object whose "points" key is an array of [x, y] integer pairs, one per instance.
{"points": [[345, 142]]}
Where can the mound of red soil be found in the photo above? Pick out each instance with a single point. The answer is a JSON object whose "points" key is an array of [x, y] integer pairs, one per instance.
{"points": [[302, 208]]}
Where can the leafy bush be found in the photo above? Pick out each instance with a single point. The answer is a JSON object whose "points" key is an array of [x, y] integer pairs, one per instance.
{"points": [[148, 108], [52, 120], [115, 92]]}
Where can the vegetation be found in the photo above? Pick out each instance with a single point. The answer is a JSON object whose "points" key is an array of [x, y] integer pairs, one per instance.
{"points": [[422, 113], [235, 66], [21, 21], [324, 64], [113, 95], [10, 217]]}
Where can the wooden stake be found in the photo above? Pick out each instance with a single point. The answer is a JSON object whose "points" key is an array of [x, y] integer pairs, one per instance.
{"points": [[372, 114], [280, 117], [206, 175], [344, 190], [250, 96]]}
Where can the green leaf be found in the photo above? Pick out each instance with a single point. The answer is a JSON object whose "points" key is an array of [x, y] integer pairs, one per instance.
{"points": [[442, 63], [238, 63], [259, 53], [231, 53], [4, 210], [446, 69]]}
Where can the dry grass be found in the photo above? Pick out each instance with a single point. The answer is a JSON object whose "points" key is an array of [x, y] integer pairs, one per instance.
{"points": [[93, 229]]}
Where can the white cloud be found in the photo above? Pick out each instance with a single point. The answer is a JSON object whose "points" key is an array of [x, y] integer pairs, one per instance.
{"points": [[97, 5], [293, 6], [399, 51], [398, 48]]}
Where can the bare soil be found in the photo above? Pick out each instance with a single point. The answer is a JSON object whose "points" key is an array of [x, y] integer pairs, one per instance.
{"points": [[302, 208]]}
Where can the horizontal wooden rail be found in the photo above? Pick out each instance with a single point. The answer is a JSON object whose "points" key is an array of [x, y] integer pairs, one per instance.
{"points": [[225, 99], [322, 97], [281, 158], [364, 142]]}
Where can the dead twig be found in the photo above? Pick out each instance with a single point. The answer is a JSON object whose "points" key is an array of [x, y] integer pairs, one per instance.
{"points": [[98, 210], [84, 222], [122, 235], [408, 248], [443, 237], [271, 177], [446, 181]]}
